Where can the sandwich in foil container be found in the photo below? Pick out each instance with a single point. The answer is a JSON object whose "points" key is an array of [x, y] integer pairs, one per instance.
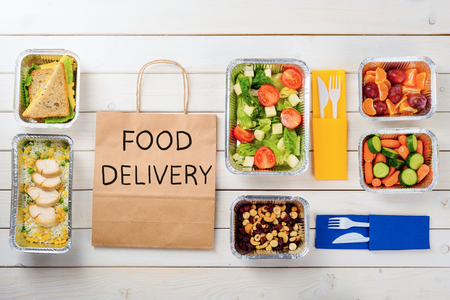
{"points": [[275, 241], [430, 155], [41, 198], [42, 64]]}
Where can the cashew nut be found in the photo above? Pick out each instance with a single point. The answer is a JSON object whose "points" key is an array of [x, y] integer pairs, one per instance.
{"points": [[293, 215], [283, 208], [294, 208], [260, 212], [293, 233], [267, 214], [246, 215], [253, 242], [273, 243], [269, 236], [264, 209], [248, 227], [269, 248], [253, 212], [292, 246], [283, 215], [292, 239], [284, 228], [284, 236], [257, 237], [270, 218], [274, 233], [277, 210], [256, 218], [283, 223], [296, 227], [275, 222], [263, 245], [245, 222]]}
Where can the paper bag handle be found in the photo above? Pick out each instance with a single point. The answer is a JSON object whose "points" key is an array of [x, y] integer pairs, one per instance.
{"points": [[163, 61]]}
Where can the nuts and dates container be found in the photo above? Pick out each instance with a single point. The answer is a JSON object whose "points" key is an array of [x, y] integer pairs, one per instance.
{"points": [[428, 153], [397, 88], [269, 227]]}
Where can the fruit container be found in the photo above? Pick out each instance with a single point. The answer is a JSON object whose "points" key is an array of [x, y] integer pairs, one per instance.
{"points": [[38, 56], [17, 240], [237, 207], [422, 64], [277, 65], [430, 154]]}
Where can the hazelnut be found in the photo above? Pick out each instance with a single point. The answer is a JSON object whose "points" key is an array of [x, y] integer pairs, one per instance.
{"points": [[257, 237], [275, 222], [273, 243], [246, 215], [293, 233], [292, 246], [269, 236], [274, 233], [292, 214], [292, 239], [245, 222], [269, 248], [277, 210], [264, 209], [253, 212], [296, 227], [294, 208], [267, 214], [248, 227], [253, 206], [283, 215]]}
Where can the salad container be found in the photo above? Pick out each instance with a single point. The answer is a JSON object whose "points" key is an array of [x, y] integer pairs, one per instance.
{"points": [[303, 209], [16, 239], [276, 65], [430, 154], [422, 64], [23, 63]]}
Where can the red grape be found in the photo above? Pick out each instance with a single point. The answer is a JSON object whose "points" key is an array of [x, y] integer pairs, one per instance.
{"points": [[396, 76], [417, 101], [380, 106], [395, 93], [371, 90]]}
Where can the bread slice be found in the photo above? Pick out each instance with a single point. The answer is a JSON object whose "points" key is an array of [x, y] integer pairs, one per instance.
{"points": [[38, 81], [52, 101]]}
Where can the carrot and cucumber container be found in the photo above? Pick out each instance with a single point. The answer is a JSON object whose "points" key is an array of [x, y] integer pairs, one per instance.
{"points": [[398, 161]]}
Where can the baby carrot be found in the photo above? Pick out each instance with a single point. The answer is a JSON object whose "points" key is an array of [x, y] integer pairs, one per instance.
{"points": [[390, 143], [368, 156], [380, 157], [402, 139], [392, 179], [403, 151], [368, 172], [391, 171], [419, 147], [376, 182], [422, 172]]}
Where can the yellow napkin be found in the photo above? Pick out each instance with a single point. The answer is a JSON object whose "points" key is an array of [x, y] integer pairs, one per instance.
{"points": [[329, 135]]}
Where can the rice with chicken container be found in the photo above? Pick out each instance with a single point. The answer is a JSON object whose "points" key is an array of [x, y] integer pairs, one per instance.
{"points": [[36, 152]]}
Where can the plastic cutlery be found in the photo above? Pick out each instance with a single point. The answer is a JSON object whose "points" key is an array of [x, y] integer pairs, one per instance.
{"points": [[335, 92], [344, 223], [323, 96], [352, 237]]}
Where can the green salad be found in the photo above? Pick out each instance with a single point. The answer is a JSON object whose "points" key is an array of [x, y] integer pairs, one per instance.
{"points": [[269, 117]]}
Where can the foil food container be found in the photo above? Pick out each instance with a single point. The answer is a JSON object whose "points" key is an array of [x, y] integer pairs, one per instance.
{"points": [[430, 154], [422, 64], [16, 240], [23, 63], [277, 65], [241, 201]]}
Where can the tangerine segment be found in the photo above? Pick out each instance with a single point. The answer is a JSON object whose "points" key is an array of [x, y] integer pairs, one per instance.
{"points": [[420, 80], [383, 91], [405, 108], [368, 107], [369, 78], [410, 79], [388, 83], [370, 73], [390, 107], [410, 90], [397, 106], [380, 75]]}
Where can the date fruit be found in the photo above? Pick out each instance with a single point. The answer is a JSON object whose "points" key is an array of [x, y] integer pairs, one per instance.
{"points": [[370, 90], [417, 101], [396, 76], [380, 107]]}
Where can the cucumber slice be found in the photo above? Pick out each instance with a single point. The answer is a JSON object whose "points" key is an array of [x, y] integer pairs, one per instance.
{"points": [[411, 143], [380, 170], [414, 160], [408, 177], [374, 144], [396, 163], [389, 153]]}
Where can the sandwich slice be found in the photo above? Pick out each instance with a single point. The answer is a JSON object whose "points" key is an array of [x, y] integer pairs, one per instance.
{"points": [[52, 100], [38, 80]]}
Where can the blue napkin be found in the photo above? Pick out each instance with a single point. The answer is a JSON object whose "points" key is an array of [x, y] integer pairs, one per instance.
{"points": [[399, 232], [325, 236]]}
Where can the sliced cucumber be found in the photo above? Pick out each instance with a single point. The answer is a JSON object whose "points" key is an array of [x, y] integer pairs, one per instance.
{"points": [[380, 170], [396, 163], [408, 177], [389, 153], [411, 143], [374, 144], [415, 160]]}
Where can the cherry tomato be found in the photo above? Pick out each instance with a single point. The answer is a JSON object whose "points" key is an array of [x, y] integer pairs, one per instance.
{"points": [[268, 95], [292, 79], [290, 118], [265, 158], [243, 135]]}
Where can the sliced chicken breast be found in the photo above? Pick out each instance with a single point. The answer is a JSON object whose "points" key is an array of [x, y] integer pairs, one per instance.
{"points": [[44, 216], [48, 167], [43, 198], [47, 184]]}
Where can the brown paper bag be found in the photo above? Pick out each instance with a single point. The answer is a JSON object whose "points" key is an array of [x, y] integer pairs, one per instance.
{"points": [[154, 178]]}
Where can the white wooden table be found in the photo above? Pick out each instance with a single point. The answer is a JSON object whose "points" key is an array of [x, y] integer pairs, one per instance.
{"points": [[115, 38]]}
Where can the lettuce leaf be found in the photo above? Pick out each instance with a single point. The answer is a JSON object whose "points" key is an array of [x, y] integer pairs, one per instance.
{"points": [[286, 92], [69, 71], [260, 79], [291, 141], [244, 83], [26, 84], [280, 155], [264, 125], [53, 120], [277, 81], [246, 149], [245, 120]]}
